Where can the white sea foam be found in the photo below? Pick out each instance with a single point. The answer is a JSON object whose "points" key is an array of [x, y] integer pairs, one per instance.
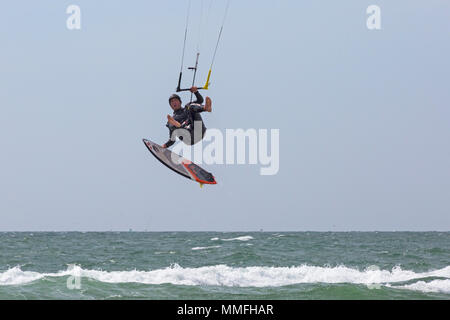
{"points": [[441, 286], [243, 238], [17, 276], [164, 252], [203, 248], [222, 275]]}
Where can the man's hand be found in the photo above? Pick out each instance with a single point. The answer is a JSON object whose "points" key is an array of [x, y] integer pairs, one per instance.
{"points": [[194, 89], [164, 146]]}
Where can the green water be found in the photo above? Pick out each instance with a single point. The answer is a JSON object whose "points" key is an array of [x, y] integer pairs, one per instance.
{"points": [[214, 265]]}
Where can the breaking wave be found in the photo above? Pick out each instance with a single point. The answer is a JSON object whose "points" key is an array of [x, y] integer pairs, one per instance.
{"points": [[222, 275], [441, 286]]}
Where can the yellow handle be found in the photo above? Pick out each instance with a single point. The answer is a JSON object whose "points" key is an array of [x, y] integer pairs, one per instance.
{"points": [[207, 80]]}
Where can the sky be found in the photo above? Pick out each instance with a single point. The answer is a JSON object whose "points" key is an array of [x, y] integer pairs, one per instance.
{"points": [[363, 115]]}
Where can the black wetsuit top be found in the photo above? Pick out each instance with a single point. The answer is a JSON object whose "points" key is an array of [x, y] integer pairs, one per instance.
{"points": [[186, 117]]}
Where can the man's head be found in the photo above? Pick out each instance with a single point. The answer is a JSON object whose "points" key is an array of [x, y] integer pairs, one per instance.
{"points": [[175, 102]]}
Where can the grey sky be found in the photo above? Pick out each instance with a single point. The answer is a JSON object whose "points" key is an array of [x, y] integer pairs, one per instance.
{"points": [[363, 115]]}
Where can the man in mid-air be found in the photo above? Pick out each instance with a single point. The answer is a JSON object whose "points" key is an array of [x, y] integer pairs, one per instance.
{"points": [[185, 118]]}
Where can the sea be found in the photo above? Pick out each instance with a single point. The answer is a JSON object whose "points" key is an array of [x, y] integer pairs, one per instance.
{"points": [[225, 265]]}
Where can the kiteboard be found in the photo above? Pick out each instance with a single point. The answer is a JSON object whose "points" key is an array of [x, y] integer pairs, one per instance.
{"points": [[180, 165]]}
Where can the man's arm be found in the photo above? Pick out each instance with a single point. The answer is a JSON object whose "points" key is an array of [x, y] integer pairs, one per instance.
{"points": [[170, 141], [198, 96]]}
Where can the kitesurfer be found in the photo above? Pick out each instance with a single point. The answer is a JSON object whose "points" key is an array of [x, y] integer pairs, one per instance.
{"points": [[185, 118]]}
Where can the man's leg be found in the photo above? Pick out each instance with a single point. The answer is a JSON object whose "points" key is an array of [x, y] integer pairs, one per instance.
{"points": [[198, 129], [208, 104], [173, 122]]}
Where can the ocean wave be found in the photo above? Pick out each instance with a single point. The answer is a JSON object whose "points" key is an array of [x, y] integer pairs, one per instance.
{"points": [[258, 276]]}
